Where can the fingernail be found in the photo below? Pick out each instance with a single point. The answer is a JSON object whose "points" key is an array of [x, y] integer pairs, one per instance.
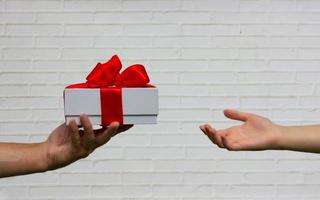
{"points": [[83, 115], [115, 123]]}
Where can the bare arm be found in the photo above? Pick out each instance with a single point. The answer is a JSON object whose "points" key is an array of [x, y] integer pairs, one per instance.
{"points": [[259, 133], [300, 138], [17, 159], [65, 145]]}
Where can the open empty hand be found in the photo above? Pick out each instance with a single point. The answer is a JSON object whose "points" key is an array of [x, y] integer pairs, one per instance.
{"points": [[256, 133]]}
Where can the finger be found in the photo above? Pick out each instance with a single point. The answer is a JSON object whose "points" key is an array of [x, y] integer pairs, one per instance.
{"points": [[228, 144], [104, 137], [216, 136], [203, 129], [87, 126], [99, 131], [73, 129], [209, 134], [236, 115], [88, 136]]}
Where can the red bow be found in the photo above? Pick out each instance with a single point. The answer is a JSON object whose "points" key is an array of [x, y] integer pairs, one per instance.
{"points": [[108, 74], [108, 78]]}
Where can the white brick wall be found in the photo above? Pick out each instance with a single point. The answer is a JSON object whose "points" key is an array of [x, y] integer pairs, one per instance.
{"points": [[204, 55]]}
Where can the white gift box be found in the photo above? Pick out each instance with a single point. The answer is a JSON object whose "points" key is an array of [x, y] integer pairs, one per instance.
{"points": [[139, 105]]}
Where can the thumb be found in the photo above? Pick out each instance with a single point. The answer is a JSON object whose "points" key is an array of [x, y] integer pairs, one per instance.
{"points": [[236, 115], [104, 137]]}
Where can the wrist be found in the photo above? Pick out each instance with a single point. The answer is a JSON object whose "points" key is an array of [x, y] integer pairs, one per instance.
{"points": [[279, 143], [44, 161]]}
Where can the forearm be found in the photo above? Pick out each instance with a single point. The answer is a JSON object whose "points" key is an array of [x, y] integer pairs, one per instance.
{"points": [[20, 159], [300, 138]]}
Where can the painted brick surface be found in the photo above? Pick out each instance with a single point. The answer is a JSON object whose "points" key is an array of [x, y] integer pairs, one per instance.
{"points": [[260, 56]]}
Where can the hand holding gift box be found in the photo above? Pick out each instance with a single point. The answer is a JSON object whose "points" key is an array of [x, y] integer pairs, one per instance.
{"points": [[109, 95]]}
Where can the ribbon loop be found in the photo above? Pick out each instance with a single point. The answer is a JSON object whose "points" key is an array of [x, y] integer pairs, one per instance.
{"points": [[105, 74], [133, 76]]}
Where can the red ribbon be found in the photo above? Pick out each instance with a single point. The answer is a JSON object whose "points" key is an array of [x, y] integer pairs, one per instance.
{"points": [[108, 78]]}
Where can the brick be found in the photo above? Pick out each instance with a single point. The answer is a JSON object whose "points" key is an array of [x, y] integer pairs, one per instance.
{"points": [[210, 5], [15, 115], [57, 17], [187, 64], [150, 5], [296, 65], [222, 53], [124, 191], [267, 29], [31, 102], [152, 178], [143, 53], [31, 53], [14, 90], [307, 29], [163, 78], [46, 90], [16, 41], [151, 29], [119, 41], [213, 178], [279, 53], [33, 29], [92, 29], [15, 65], [244, 17], [181, 16], [31, 5], [123, 165], [201, 114], [296, 165], [184, 165], [248, 5], [13, 191], [246, 165], [154, 153], [90, 178], [83, 5], [272, 102], [210, 29], [303, 191], [207, 78], [59, 191], [184, 191], [17, 17], [181, 41], [209, 102], [239, 41], [126, 140], [127, 16], [262, 77], [243, 191], [109, 153], [274, 178], [47, 114], [45, 41], [169, 102], [307, 5], [28, 78], [35, 179], [62, 65]]}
